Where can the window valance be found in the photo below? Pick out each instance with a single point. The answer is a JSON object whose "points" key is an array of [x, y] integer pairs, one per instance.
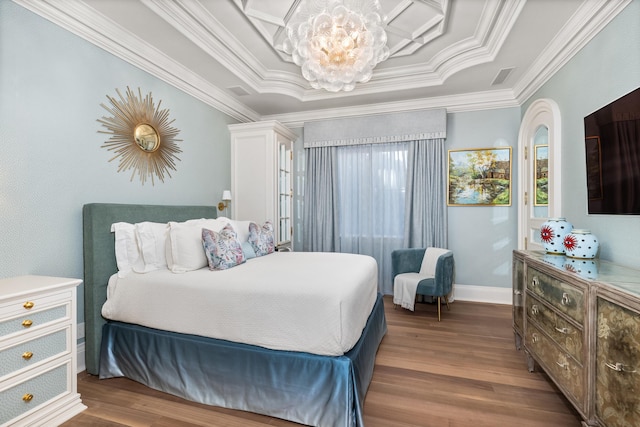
{"points": [[379, 128]]}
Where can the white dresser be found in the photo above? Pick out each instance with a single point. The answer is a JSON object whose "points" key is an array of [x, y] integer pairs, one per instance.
{"points": [[38, 357]]}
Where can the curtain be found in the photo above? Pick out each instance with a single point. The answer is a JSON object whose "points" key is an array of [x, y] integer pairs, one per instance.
{"points": [[425, 208], [373, 198], [371, 202]]}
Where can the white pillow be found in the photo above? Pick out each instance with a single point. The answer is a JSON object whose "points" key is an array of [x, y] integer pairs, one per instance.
{"points": [[429, 261], [152, 239], [184, 250], [126, 247]]}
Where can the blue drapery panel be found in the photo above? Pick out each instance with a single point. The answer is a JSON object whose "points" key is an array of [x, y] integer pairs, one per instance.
{"points": [[374, 184], [305, 388]]}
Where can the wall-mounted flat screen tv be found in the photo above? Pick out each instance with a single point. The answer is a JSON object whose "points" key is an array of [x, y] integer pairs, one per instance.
{"points": [[612, 146]]}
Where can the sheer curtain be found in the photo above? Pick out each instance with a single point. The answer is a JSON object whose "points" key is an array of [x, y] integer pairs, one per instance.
{"points": [[371, 202]]}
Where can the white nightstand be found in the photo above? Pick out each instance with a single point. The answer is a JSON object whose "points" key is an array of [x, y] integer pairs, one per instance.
{"points": [[38, 357]]}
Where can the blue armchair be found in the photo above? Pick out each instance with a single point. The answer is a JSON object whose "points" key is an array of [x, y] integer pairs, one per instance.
{"points": [[409, 262]]}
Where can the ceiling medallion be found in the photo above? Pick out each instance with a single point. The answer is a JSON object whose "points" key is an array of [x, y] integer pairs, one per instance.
{"points": [[141, 136], [337, 43]]}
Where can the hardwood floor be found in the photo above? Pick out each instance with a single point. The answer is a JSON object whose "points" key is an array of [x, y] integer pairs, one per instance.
{"points": [[461, 372]]}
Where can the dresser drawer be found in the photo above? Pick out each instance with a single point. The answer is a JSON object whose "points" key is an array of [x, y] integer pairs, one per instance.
{"points": [[30, 353], [34, 392], [34, 320], [560, 366], [569, 337], [617, 365], [566, 298], [18, 306]]}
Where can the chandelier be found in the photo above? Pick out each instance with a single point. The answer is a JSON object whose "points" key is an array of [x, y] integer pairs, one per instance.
{"points": [[337, 43]]}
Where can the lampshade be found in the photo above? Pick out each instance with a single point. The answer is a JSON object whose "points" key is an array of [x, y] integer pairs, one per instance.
{"points": [[226, 195], [337, 43]]}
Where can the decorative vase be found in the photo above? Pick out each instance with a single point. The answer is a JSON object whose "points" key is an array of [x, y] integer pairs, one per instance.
{"points": [[581, 244], [552, 234]]}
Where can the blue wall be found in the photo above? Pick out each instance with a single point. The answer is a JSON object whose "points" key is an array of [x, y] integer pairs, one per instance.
{"points": [[604, 70], [52, 84]]}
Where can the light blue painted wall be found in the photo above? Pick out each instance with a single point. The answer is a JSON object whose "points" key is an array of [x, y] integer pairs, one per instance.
{"points": [[483, 237], [51, 86], [604, 70]]}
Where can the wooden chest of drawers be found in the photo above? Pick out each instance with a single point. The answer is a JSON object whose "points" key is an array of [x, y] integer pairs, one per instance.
{"points": [[583, 331], [554, 330], [38, 360]]}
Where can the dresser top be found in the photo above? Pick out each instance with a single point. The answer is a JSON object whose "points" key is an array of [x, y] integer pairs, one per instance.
{"points": [[596, 270], [22, 285]]}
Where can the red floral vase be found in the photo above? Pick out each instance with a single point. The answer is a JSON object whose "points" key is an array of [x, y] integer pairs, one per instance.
{"points": [[552, 234], [581, 244]]}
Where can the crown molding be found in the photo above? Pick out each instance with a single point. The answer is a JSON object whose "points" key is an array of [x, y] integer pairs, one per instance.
{"points": [[81, 20], [573, 37]]}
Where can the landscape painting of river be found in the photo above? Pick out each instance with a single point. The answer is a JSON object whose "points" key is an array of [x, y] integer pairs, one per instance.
{"points": [[480, 177]]}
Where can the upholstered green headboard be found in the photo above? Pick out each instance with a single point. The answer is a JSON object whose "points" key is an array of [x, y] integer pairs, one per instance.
{"points": [[100, 259]]}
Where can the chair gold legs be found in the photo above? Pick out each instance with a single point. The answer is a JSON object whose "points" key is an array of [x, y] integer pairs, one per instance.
{"points": [[446, 300]]}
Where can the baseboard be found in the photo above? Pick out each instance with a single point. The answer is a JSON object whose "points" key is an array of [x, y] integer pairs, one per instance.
{"points": [[488, 294]]}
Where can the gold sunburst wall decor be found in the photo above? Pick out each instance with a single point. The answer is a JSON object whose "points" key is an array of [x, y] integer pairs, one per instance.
{"points": [[142, 137]]}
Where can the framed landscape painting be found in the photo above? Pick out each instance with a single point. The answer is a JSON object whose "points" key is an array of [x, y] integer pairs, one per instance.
{"points": [[479, 177], [542, 175]]}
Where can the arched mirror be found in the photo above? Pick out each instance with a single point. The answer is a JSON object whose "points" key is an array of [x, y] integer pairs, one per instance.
{"points": [[538, 171]]}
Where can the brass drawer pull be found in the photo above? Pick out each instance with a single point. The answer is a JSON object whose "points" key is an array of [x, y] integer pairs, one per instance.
{"points": [[27, 323], [27, 355], [534, 337], [535, 281], [562, 330], [28, 305], [565, 299], [27, 397], [618, 367], [563, 365], [535, 310]]}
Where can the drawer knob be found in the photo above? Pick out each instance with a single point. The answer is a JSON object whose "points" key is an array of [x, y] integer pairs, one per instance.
{"points": [[534, 309], [562, 330], [27, 397], [534, 337], [27, 355], [535, 281], [619, 367], [28, 305], [26, 323], [565, 299]]}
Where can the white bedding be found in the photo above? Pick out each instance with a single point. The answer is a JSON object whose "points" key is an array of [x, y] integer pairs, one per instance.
{"points": [[300, 301]]}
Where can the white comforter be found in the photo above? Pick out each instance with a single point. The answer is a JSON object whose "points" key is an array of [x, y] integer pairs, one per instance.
{"points": [[299, 301]]}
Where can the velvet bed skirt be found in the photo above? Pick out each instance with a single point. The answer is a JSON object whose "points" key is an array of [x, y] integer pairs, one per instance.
{"points": [[305, 388]]}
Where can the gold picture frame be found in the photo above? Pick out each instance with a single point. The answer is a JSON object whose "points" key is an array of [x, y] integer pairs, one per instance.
{"points": [[479, 177], [142, 137]]}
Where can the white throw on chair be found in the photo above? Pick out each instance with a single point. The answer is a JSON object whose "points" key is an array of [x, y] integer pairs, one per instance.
{"points": [[421, 272]]}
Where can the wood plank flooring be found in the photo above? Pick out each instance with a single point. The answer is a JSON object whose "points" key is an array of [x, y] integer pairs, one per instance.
{"points": [[461, 372]]}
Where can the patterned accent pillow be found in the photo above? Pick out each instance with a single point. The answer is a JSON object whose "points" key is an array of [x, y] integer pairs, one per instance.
{"points": [[223, 250], [262, 238]]}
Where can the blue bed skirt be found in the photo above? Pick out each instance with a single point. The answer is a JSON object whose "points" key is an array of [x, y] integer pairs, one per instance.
{"points": [[301, 387]]}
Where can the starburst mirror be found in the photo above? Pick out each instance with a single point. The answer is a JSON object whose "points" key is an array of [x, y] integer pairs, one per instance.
{"points": [[142, 137]]}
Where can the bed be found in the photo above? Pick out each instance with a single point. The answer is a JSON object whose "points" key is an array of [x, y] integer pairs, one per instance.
{"points": [[323, 386]]}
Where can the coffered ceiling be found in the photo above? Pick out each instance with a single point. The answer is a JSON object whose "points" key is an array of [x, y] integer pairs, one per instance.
{"points": [[459, 54]]}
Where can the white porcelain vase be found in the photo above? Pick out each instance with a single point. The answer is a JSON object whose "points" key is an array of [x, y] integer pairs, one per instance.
{"points": [[552, 234], [581, 243]]}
